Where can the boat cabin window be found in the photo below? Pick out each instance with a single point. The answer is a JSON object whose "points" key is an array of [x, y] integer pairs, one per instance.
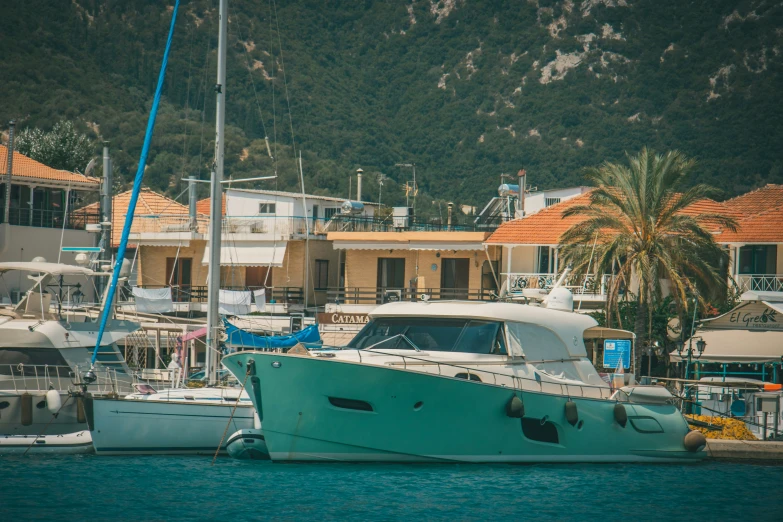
{"points": [[11, 358], [432, 334]]}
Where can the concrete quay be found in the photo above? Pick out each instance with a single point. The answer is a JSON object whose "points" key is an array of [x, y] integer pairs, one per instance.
{"points": [[770, 452]]}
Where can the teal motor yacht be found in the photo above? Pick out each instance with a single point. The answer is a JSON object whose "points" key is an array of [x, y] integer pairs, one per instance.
{"points": [[460, 382]]}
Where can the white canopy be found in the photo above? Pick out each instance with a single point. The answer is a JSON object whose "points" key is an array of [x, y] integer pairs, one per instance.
{"points": [[250, 253], [754, 295], [602, 332], [406, 245], [54, 269], [738, 346]]}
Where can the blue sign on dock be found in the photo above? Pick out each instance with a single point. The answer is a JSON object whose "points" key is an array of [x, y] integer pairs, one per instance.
{"points": [[616, 350]]}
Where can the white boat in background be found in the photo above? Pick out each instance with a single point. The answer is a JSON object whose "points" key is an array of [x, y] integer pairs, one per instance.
{"points": [[173, 421], [42, 352]]}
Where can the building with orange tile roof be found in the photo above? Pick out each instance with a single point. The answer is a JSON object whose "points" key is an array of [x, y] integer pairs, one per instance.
{"points": [[42, 215], [530, 245], [154, 213], [760, 200], [27, 170], [756, 247]]}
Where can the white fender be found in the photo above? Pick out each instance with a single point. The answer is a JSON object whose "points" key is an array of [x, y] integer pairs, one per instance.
{"points": [[53, 401]]}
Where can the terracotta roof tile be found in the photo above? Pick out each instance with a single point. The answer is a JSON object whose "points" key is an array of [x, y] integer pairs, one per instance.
{"points": [[765, 227], [150, 203], [202, 206], [756, 201], [542, 228], [547, 226], [26, 169]]}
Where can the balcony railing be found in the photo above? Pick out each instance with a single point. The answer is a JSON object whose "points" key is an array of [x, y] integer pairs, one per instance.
{"points": [[45, 218], [198, 294], [157, 223], [578, 285], [370, 295], [286, 227], [760, 282], [342, 223]]}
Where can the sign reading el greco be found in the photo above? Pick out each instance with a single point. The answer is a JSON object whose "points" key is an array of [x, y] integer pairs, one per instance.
{"points": [[751, 316]]}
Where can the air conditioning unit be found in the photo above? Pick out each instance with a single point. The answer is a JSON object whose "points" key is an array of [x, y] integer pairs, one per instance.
{"points": [[259, 227], [16, 296], [392, 296]]}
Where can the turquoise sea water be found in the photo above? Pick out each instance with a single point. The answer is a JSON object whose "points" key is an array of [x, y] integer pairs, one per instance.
{"points": [[188, 488]]}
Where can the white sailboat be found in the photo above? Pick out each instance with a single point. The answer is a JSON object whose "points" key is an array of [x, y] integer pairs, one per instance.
{"points": [[184, 421]]}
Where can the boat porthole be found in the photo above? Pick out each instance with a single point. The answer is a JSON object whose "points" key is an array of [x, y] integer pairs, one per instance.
{"points": [[580, 424], [4, 405], [276, 364], [41, 405], [417, 406], [544, 419]]}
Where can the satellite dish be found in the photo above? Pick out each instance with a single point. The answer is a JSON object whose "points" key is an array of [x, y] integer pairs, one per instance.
{"points": [[90, 167]]}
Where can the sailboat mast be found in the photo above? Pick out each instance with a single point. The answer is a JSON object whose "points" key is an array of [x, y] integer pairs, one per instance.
{"points": [[216, 203]]}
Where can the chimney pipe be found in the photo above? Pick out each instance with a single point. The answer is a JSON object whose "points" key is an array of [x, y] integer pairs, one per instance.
{"points": [[9, 171], [107, 201], [451, 210], [359, 184], [522, 174]]}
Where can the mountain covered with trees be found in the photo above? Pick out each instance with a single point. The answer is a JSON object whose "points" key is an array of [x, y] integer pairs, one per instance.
{"points": [[465, 89]]}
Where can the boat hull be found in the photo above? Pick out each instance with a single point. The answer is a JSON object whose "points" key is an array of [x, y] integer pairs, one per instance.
{"points": [[317, 409], [138, 427], [65, 444]]}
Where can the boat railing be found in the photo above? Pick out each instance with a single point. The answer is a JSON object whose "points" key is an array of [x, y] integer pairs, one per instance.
{"points": [[514, 382], [43, 377]]}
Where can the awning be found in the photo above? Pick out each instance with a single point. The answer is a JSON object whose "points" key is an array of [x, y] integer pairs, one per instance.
{"points": [[601, 332], [435, 245], [54, 269], [406, 245], [250, 253], [774, 306], [195, 334], [737, 346], [370, 245]]}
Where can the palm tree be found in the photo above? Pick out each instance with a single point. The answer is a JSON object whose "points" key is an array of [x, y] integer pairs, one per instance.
{"points": [[641, 228]]}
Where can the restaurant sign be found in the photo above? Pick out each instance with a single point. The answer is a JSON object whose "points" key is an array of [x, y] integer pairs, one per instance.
{"points": [[346, 319], [751, 316]]}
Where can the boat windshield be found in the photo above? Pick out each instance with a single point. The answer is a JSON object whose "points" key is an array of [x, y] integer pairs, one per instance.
{"points": [[432, 334]]}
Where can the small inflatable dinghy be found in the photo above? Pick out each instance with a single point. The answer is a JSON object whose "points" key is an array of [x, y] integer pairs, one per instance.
{"points": [[247, 444], [69, 443]]}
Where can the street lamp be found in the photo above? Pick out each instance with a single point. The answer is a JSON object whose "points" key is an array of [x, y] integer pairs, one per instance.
{"points": [[701, 344]]}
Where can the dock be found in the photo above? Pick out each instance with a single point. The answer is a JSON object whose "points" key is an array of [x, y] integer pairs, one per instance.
{"points": [[770, 452]]}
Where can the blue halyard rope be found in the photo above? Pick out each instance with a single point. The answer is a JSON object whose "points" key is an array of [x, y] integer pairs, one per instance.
{"points": [[107, 305]]}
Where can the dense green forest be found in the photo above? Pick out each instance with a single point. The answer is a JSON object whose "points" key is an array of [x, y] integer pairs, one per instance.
{"points": [[465, 89]]}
